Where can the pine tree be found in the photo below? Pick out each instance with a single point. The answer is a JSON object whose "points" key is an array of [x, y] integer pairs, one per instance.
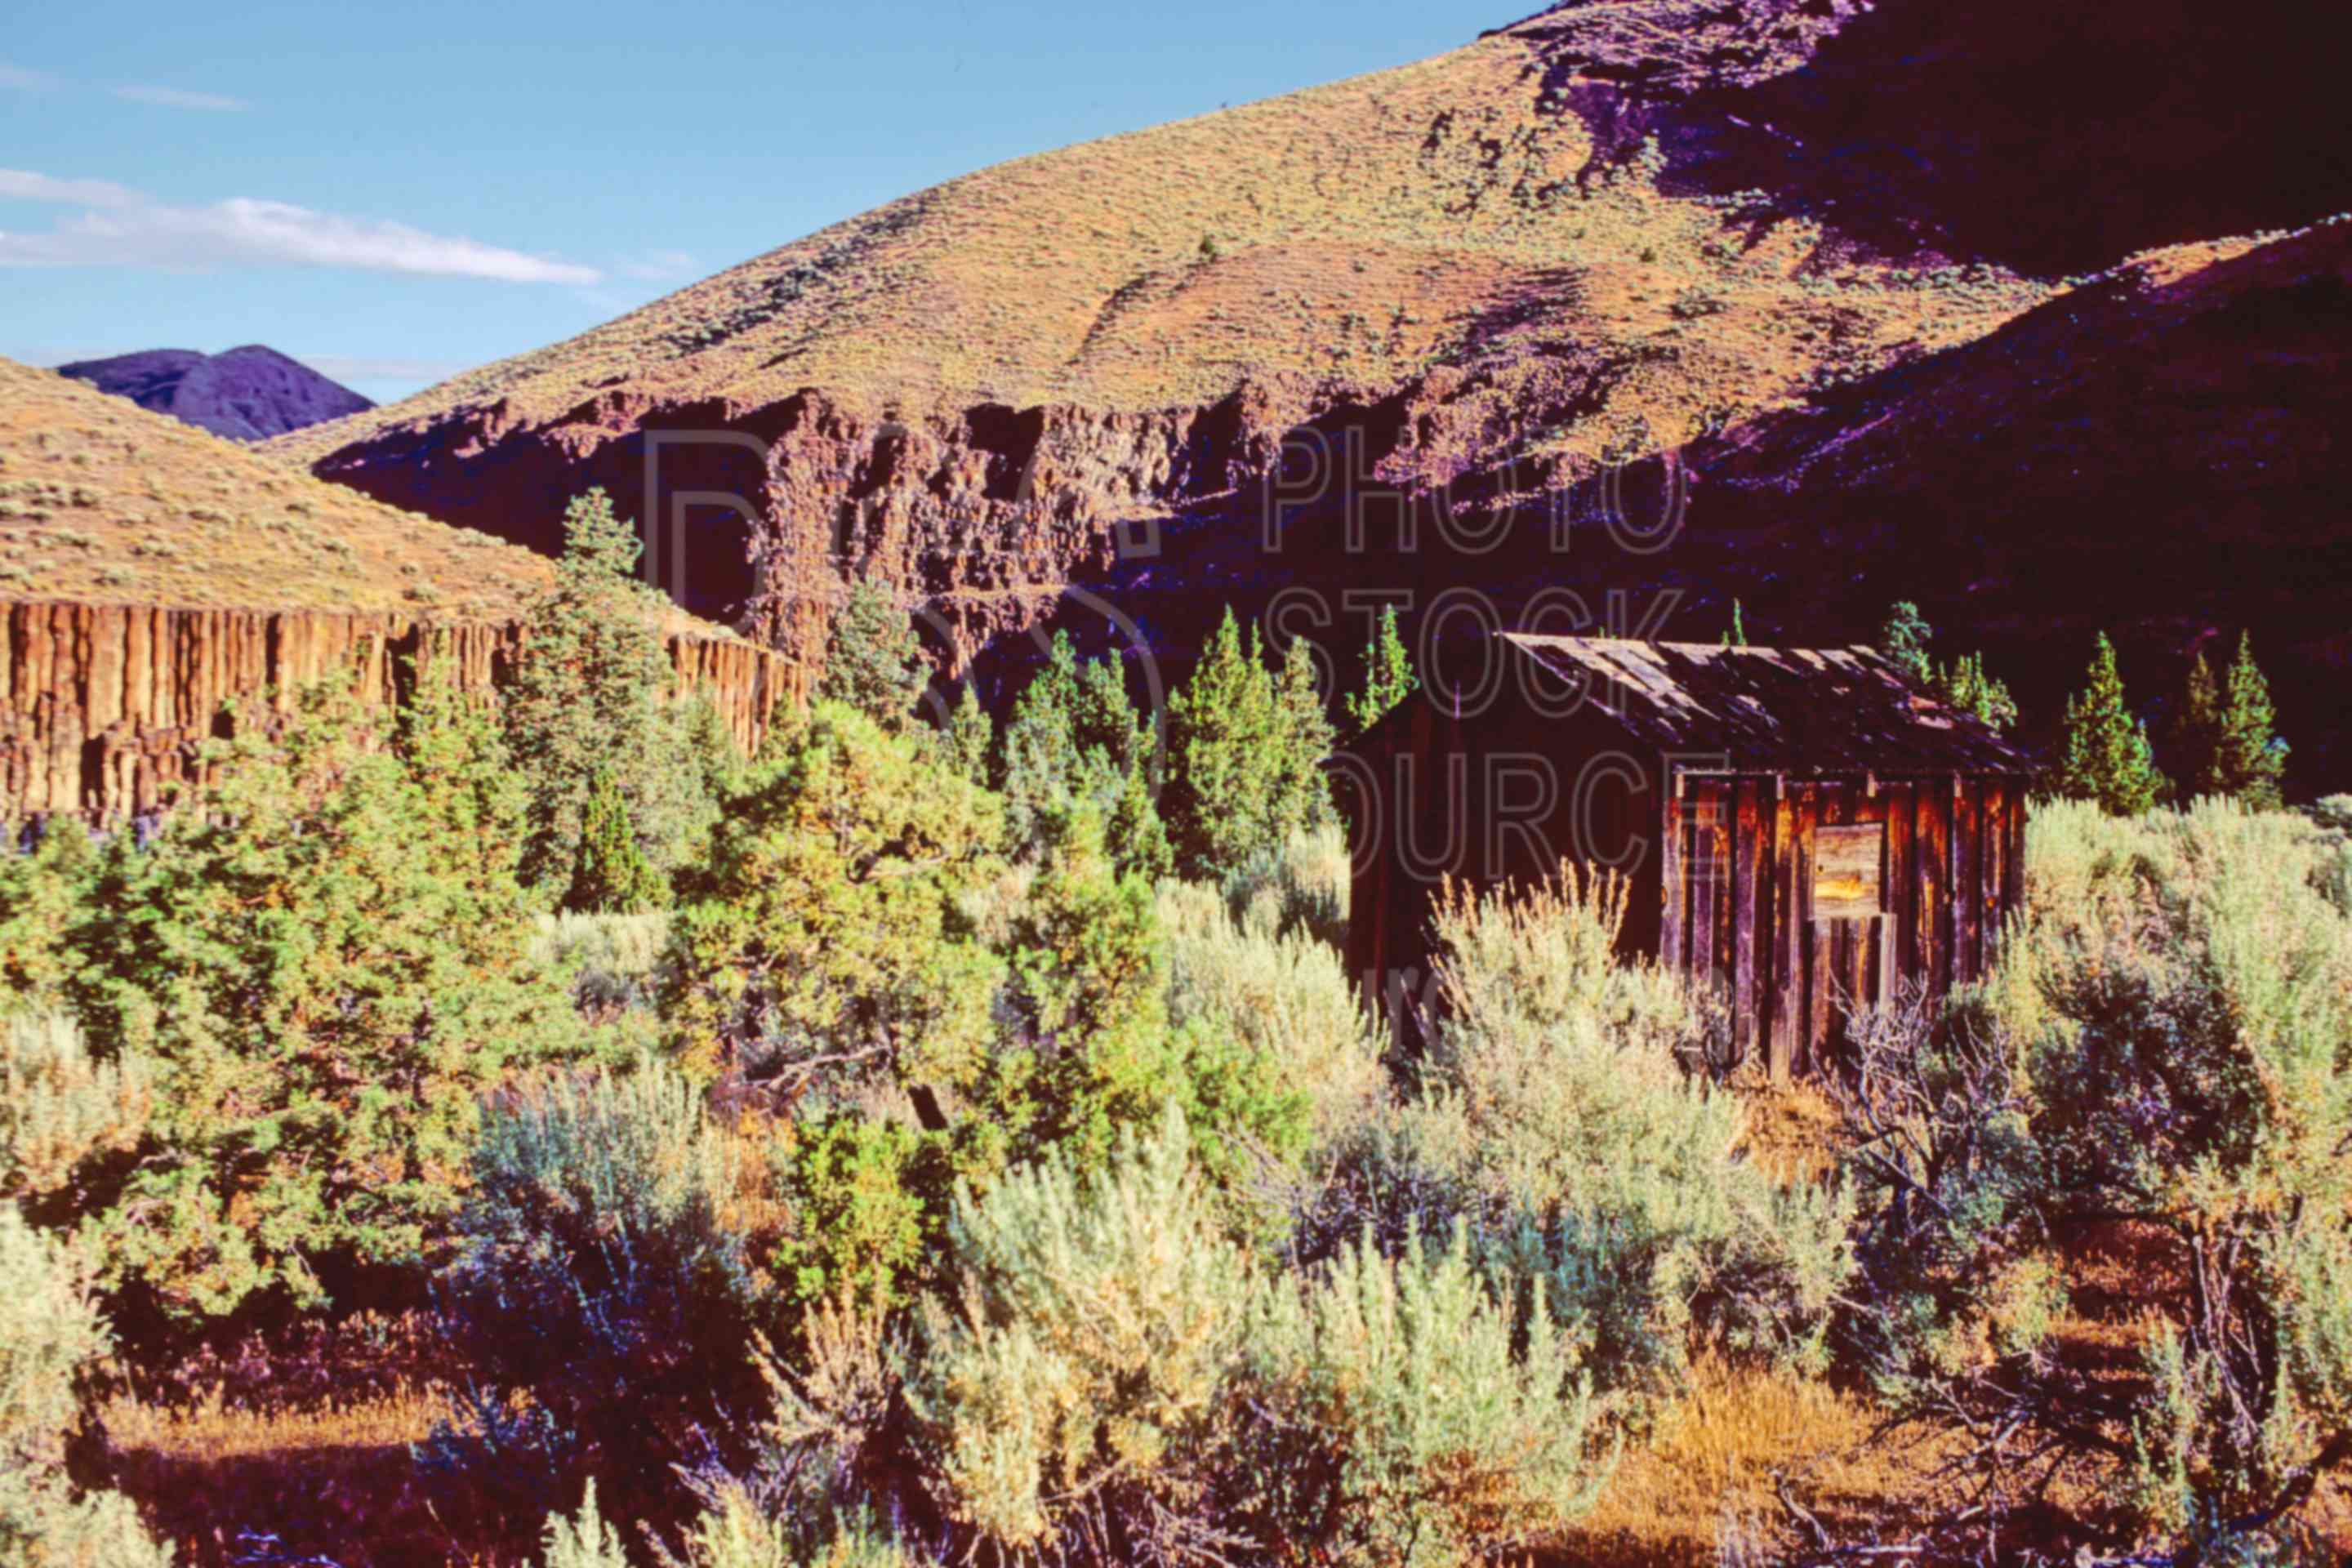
{"points": [[613, 875], [2105, 754], [2196, 729], [1246, 753], [2248, 756], [874, 661], [1076, 738], [1389, 676], [1965, 685], [1304, 741], [1905, 637], [590, 693], [970, 737]]}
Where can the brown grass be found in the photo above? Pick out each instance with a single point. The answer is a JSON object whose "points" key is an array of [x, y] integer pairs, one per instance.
{"points": [[1721, 1457]]}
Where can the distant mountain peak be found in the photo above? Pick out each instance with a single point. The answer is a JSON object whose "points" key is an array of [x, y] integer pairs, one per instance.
{"points": [[250, 393]]}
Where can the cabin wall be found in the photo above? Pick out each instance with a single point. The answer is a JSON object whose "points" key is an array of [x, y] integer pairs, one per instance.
{"points": [[1432, 796], [1757, 904]]}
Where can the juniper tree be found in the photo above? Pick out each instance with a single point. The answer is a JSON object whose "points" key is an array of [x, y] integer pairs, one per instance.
{"points": [[325, 962], [1966, 684], [1389, 676], [970, 737], [1075, 739], [2196, 728], [872, 661], [1246, 753], [1903, 639], [591, 684], [2103, 753], [612, 875], [2248, 755]]}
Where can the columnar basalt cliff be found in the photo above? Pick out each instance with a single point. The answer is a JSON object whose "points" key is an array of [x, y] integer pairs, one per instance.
{"points": [[105, 709], [150, 573]]}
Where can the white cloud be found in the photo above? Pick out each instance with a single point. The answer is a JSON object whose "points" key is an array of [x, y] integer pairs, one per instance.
{"points": [[174, 98], [22, 186], [23, 81], [118, 228]]}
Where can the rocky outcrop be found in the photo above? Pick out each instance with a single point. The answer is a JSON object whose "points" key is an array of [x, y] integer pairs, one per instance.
{"points": [[104, 708], [248, 394]]}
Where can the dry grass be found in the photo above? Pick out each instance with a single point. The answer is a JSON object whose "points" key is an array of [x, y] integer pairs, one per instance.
{"points": [[1721, 1459]]}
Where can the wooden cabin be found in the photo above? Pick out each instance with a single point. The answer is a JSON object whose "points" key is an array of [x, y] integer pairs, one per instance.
{"points": [[1805, 829]]}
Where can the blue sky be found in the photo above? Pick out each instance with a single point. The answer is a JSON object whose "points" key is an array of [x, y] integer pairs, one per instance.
{"points": [[397, 193]]}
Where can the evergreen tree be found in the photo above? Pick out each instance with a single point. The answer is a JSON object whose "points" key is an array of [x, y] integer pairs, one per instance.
{"points": [[1304, 741], [1903, 639], [1965, 685], [970, 737], [1075, 738], [612, 875], [2248, 755], [1389, 676], [1737, 636], [2105, 754], [591, 693], [2196, 729], [874, 661], [1246, 753], [326, 962]]}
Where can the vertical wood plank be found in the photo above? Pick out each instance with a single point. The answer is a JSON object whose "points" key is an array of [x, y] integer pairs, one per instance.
{"points": [[1704, 869], [1748, 913], [1805, 953], [1968, 885], [1902, 886], [1673, 890], [1787, 961]]}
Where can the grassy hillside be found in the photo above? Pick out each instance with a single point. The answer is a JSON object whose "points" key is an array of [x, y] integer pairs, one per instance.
{"points": [[103, 502], [1449, 214]]}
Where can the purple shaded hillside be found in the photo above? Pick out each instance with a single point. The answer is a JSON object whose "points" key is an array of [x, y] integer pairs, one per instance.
{"points": [[247, 393]]}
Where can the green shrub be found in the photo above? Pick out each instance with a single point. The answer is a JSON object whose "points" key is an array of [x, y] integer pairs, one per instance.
{"points": [[1420, 1420], [1301, 885], [1117, 1381], [2168, 1043], [595, 1275], [1556, 1112], [1084, 1370], [826, 937], [615, 961], [1286, 997], [325, 961], [41, 893], [59, 1109], [50, 1333]]}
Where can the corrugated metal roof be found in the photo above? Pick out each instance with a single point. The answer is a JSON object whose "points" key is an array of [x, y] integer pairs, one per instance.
{"points": [[1793, 710]]}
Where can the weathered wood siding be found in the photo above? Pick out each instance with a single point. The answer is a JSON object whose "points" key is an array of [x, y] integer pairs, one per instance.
{"points": [[1748, 860]]}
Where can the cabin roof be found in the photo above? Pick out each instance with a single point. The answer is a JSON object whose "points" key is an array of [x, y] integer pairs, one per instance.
{"points": [[1792, 711]]}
